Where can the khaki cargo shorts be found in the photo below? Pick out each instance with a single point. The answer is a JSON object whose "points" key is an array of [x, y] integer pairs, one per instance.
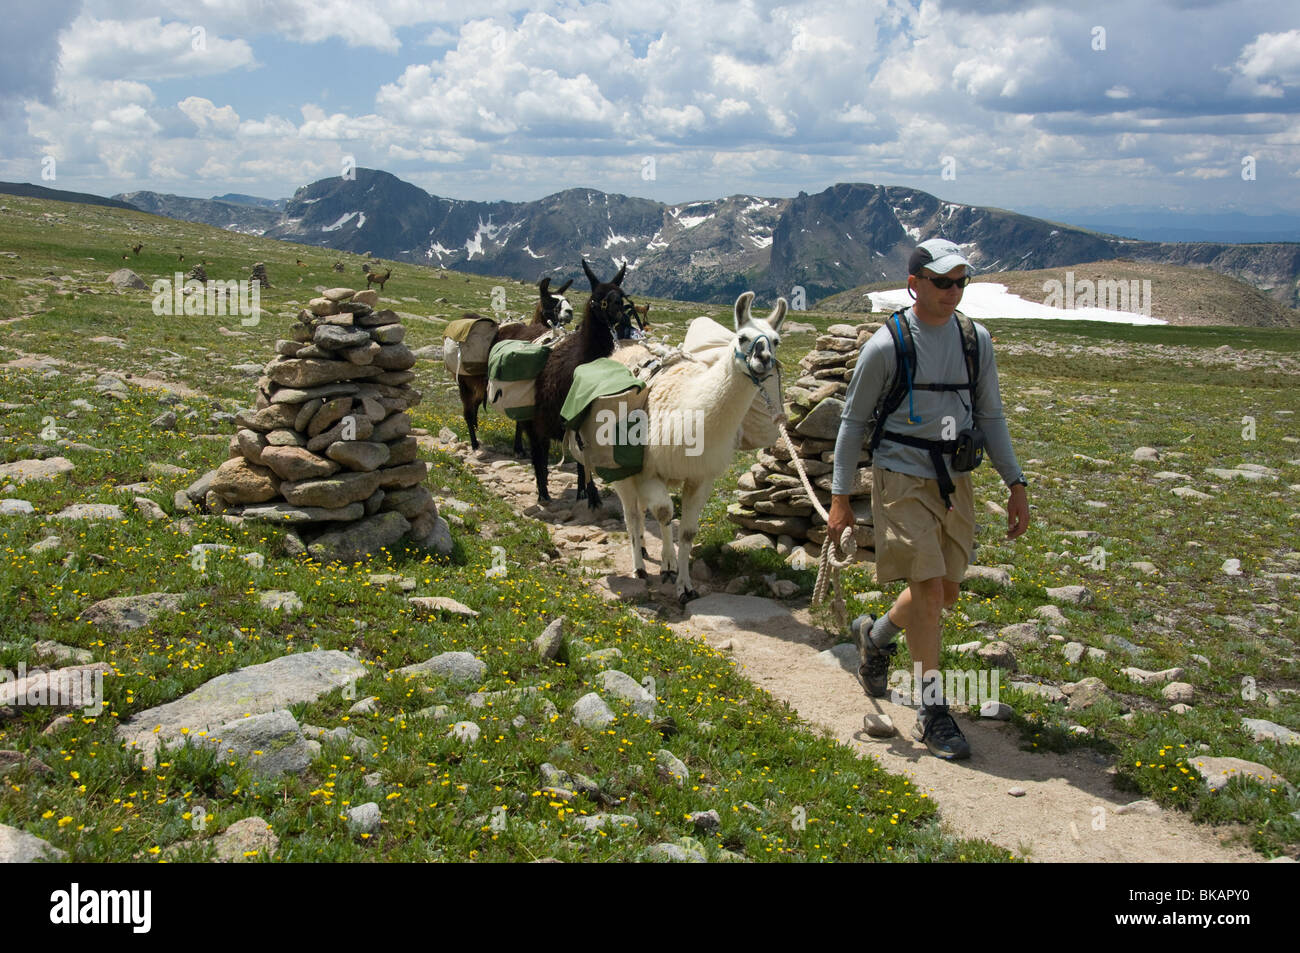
{"points": [[916, 536]]}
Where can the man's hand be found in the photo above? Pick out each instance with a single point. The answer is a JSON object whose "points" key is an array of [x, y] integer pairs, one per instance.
{"points": [[1017, 512], [841, 515]]}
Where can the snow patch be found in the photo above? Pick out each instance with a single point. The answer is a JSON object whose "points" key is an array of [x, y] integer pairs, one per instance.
{"points": [[474, 246], [343, 220], [761, 241], [690, 221], [987, 300]]}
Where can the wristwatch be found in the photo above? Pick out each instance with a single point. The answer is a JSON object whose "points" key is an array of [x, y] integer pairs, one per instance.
{"points": [[1021, 480]]}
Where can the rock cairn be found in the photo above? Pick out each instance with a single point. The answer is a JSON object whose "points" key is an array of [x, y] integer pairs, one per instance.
{"points": [[327, 448], [259, 275], [199, 274], [772, 500]]}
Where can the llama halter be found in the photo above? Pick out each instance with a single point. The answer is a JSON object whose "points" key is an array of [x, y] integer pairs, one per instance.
{"points": [[746, 355]]}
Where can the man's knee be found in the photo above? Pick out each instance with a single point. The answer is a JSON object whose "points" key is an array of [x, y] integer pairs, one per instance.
{"points": [[929, 594]]}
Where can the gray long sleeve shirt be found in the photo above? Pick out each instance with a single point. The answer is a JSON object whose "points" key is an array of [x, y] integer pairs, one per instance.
{"points": [[939, 360]]}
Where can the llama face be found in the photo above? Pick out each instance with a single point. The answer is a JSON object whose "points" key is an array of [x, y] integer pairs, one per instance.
{"points": [[607, 298], [753, 348], [556, 310], [560, 313]]}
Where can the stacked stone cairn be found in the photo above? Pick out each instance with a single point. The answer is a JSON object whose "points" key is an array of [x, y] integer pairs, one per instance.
{"points": [[772, 499], [327, 448]]}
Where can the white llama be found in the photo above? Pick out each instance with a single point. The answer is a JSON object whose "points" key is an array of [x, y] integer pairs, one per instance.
{"points": [[695, 413]]}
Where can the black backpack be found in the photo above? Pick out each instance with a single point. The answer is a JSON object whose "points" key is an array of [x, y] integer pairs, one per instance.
{"points": [[905, 352]]}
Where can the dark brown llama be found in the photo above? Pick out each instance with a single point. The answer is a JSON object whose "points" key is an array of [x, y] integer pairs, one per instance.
{"points": [[592, 339], [552, 311]]}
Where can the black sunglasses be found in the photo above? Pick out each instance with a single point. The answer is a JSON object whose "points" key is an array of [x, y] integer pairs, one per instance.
{"points": [[943, 283]]}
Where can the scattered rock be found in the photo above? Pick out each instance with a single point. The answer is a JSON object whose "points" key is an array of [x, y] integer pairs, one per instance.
{"points": [[621, 685], [706, 822], [284, 602], [878, 725], [431, 605], [1052, 616], [271, 743], [19, 847], [257, 689], [1049, 692], [1073, 595], [590, 711], [455, 666], [671, 768], [1262, 730], [998, 655], [999, 577], [249, 839], [995, 711], [1144, 806], [465, 731], [549, 643], [1084, 693], [364, 818], [1217, 772], [1021, 634], [123, 613]]}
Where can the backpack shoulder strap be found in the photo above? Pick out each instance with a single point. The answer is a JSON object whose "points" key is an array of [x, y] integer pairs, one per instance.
{"points": [[900, 332], [970, 346]]}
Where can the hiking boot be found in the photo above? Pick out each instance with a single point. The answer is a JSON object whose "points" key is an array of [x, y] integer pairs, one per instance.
{"points": [[873, 661], [937, 728]]}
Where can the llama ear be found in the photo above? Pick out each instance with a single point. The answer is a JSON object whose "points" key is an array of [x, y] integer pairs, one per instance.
{"points": [[543, 285], [591, 275], [778, 314], [742, 308], [618, 279], [563, 288]]}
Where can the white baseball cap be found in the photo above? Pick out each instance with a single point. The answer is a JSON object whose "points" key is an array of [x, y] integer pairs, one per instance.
{"points": [[938, 254]]}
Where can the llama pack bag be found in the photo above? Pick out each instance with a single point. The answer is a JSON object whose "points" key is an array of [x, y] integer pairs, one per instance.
{"points": [[467, 345], [604, 414], [512, 370]]}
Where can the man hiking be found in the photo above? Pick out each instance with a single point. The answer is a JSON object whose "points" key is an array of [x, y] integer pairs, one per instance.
{"points": [[939, 405]]}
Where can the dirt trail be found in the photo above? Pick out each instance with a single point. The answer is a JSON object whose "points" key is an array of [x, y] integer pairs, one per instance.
{"points": [[1067, 797]]}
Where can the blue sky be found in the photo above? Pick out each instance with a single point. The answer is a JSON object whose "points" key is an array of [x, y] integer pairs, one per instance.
{"points": [[995, 103]]}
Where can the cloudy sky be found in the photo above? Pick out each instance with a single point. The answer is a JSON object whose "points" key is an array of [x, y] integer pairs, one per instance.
{"points": [[1014, 104]]}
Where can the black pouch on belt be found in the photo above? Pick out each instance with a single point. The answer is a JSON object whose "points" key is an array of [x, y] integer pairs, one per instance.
{"points": [[969, 452]]}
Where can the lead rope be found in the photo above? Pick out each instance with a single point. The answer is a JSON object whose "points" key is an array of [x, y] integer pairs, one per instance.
{"points": [[836, 555]]}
